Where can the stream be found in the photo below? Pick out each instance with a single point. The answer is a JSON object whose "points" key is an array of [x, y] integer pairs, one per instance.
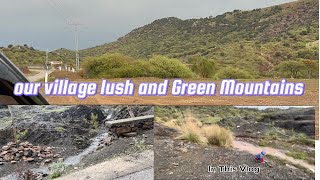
{"points": [[252, 149], [70, 161]]}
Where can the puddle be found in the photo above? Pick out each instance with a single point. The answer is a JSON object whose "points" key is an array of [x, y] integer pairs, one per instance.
{"points": [[252, 149]]}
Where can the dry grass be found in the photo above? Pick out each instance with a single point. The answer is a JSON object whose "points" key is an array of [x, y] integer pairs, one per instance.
{"points": [[193, 131], [218, 136]]}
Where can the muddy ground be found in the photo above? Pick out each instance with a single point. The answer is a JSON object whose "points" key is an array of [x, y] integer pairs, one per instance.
{"points": [[178, 159], [69, 130], [121, 147], [175, 159]]}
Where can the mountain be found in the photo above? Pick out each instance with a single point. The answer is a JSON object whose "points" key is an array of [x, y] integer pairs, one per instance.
{"points": [[260, 37], [255, 40], [27, 55]]}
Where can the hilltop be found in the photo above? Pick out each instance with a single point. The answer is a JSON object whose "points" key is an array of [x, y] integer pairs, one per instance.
{"points": [[260, 38]]}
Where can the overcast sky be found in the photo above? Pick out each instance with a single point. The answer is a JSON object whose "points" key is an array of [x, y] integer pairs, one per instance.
{"points": [[43, 24]]}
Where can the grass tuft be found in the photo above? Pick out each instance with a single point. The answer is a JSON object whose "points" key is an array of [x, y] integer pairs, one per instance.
{"points": [[218, 136]]}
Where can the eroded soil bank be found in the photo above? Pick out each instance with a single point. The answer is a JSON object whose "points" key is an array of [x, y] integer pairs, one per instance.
{"points": [[76, 133]]}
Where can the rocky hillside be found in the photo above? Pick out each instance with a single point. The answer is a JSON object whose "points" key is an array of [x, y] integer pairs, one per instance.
{"points": [[255, 41], [260, 37]]}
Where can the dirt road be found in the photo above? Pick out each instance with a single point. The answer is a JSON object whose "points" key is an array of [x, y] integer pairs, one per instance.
{"points": [[40, 73], [135, 166], [252, 149]]}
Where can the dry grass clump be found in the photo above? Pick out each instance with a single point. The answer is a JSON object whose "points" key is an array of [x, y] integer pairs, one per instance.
{"points": [[191, 132], [218, 136]]}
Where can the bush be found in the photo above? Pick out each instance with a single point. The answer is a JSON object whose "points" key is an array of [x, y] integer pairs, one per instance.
{"points": [[233, 73], [56, 170], [290, 69], [120, 66], [164, 67], [191, 132], [203, 67], [218, 136], [106, 66]]}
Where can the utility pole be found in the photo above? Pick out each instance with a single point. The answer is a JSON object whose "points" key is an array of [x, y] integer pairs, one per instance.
{"points": [[47, 57], [76, 40]]}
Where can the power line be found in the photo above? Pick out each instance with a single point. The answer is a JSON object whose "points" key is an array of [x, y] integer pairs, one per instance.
{"points": [[75, 25]]}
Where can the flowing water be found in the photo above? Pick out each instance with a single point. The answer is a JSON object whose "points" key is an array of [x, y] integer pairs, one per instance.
{"points": [[70, 161]]}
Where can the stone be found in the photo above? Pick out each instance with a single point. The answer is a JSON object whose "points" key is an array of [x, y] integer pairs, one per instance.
{"points": [[1, 163], [7, 157], [99, 147], [4, 153], [48, 149], [122, 130], [130, 134], [107, 140], [56, 155], [5, 148], [29, 159], [47, 161], [42, 155], [13, 162], [49, 155], [27, 152]]}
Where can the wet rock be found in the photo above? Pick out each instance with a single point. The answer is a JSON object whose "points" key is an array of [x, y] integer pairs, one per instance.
{"points": [[131, 134], [123, 130], [29, 159], [99, 148], [49, 155], [107, 140], [47, 160], [25, 151]]}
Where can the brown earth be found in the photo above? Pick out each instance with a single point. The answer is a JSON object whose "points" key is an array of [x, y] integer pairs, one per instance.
{"points": [[178, 159], [310, 97]]}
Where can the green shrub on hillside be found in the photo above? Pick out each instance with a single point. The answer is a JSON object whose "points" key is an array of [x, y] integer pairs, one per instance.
{"points": [[120, 66], [204, 67], [233, 73], [290, 69], [164, 67]]}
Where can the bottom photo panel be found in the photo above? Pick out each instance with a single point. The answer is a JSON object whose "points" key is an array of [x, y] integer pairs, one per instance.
{"points": [[234, 142], [76, 142], [133, 142]]}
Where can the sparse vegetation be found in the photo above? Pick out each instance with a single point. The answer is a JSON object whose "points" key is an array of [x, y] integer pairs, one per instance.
{"points": [[218, 136], [56, 169], [139, 144], [297, 155], [191, 132], [60, 129], [21, 134], [94, 120], [303, 139]]}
